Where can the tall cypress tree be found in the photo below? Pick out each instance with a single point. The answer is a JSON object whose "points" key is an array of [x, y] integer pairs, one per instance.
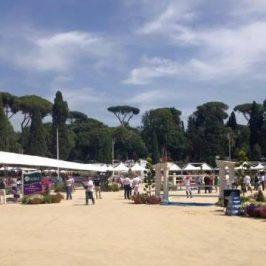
{"points": [[6, 131], [232, 121], [254, 128], [155, 148], [37, 144], [60, 115], [263, 131]]}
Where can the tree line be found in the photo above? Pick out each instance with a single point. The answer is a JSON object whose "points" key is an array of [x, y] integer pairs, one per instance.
{"points": [[210, 132]]}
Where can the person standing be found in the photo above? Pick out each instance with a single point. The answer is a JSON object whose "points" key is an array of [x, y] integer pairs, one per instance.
{"points": [[68, 188], [127, 187], [262, 180], [97, 185], [135, 185], [187, 183], [89, 191], [247, 183], [207, 184], [198, 181], [3, 191]]}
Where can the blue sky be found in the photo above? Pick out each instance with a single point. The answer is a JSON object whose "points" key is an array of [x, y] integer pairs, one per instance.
{"points": [[144, 53]]}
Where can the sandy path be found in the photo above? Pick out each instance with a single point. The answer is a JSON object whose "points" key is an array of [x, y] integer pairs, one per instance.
{"points": [[114, 232]]}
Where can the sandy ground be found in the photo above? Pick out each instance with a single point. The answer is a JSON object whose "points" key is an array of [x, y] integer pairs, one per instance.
{"points": [[116, 232]]}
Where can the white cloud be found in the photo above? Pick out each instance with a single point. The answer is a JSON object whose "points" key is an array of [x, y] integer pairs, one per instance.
{"points": [[166, 21], [217, 53], [57, 52]]}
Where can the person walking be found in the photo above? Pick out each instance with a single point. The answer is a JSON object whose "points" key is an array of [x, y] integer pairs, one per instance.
{"points": [[187, 183], [97, 185], [68, 188], [247, 183], [2, 191], [89, 191], [136, 184]]}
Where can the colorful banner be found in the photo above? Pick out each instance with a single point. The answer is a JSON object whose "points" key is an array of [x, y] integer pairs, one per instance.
{"points": [[32, 183]]}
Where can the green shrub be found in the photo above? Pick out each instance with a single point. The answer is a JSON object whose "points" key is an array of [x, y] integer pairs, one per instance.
{"points": [[140, 198], [47, 199], [244, 199], [36, 201], [56, 198], [260, 197], [59, 187], [25, 200], [113, 187]]}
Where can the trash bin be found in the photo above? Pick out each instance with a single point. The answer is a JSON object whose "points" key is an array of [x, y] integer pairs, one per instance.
{"points": [[227, 193]]}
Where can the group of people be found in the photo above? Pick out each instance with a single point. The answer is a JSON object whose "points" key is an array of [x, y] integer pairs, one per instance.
{"points": [[207, 182], [10, 184], [130, 185], [245, 183], [90, 185]]}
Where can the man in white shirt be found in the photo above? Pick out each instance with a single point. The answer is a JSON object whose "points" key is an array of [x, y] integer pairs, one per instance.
{"points": [[127, 187], [135, 184], [247, 183], [262, 179], [89, 191]]}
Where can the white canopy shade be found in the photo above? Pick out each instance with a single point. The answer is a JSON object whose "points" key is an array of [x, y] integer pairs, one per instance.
{"points": [[174, 167], [205, 167], [258, 167], [121, 168], [137, 167], [190, 167], [8, 158]]}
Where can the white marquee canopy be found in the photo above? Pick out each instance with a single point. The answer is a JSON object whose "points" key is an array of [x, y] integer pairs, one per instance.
{"points": [[15, 159]]}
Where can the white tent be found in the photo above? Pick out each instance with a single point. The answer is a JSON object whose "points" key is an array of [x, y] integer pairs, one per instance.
{"points": [[110, 168], [191, 167], [136, 167], [121, 168], [205, 167], [258, 167], [174, 167], [15, 159]]}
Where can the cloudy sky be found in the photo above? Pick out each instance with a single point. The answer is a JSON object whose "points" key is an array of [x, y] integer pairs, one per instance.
{"points": [[144, 53]]}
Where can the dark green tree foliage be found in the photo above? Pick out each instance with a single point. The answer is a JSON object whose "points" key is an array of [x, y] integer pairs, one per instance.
{"points": [[75, 116], [263, 131], [37, 144], [244, 109], [11, 104], [6, 131], [207, 133], [255, 124], [149, 177], [27, 105], [232, 122], [155, 149], [128, 144], [60, 115], [165, 122], [92, 142], [123, 113]]}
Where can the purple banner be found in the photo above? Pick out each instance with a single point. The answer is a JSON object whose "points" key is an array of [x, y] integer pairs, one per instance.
{"points": [[32, 188]]}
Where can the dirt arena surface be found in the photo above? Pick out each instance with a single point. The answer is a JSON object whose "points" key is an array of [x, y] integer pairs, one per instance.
{"points": [[116, 232]]}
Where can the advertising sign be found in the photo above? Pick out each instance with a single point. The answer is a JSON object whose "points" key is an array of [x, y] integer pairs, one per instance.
{"points": [[32, 183]]}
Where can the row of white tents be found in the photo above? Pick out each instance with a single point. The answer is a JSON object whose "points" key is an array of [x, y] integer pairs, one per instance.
{"points": [[22, 160]]}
